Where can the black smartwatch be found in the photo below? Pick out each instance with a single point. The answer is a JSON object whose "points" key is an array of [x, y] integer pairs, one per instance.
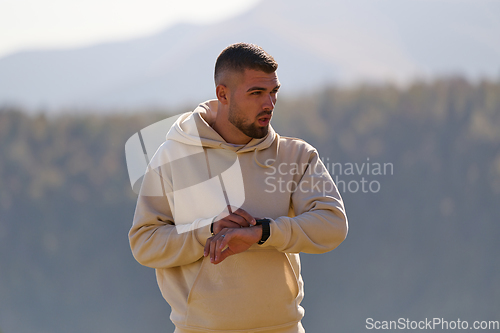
{"points": [[266, 230]]}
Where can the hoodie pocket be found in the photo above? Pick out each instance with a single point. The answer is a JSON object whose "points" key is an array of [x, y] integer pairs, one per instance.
{"points": [[249, 290]]}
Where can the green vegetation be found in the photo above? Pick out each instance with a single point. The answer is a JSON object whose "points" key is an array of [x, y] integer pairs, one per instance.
{"points": [[424, 245]]}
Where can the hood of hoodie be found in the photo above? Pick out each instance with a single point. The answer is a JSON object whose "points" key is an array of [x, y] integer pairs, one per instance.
{"points": [[194, 128]]}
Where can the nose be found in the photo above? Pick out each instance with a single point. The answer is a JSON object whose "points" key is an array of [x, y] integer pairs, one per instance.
{"points": [[269, 103]]}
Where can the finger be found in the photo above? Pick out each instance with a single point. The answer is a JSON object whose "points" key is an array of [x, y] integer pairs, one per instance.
{"points": [[227, 251], [214, 244], [227, 224], [224, 241], [224, 254], [225, 213], [245, 215], [219, 225], [238, 219], [219, 246], [206, 250], [222, 215]]}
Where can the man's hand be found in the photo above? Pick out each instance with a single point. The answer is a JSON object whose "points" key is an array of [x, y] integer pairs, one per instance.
{"points": [[237, 240], [232, 219]]}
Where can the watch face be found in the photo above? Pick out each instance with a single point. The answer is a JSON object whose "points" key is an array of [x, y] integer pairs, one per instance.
{"points": [[259, 221]]}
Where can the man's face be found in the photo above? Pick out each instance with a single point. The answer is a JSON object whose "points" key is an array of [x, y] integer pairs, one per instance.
{"points": [[252, 101]]}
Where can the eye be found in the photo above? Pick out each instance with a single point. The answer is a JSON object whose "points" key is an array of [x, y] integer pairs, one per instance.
{"points": [[255, 92]]}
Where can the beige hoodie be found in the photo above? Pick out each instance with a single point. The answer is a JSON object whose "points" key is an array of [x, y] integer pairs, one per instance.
{"points": [[190, 179]]}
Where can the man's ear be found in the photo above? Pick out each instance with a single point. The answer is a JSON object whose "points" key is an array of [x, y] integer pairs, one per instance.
{"points": [[222, 94]]}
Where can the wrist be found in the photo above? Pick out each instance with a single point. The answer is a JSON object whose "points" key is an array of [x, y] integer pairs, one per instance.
{"points": [[257, 232]]}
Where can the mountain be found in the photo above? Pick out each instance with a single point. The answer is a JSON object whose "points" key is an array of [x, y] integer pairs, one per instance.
{"points": [[315, 42]]}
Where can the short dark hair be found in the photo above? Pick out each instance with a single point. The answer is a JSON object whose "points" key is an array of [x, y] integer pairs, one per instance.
{"points": [[241, 56]]}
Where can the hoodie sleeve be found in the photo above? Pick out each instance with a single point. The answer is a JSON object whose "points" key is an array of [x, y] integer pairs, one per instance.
{"points": [[154, 239], [320, 222]]}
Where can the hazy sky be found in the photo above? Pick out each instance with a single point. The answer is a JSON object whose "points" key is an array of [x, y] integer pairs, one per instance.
{"points": [[34, 24]]}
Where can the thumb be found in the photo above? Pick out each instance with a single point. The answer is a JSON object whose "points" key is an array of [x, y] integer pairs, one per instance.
{"points": [[224, 254]]}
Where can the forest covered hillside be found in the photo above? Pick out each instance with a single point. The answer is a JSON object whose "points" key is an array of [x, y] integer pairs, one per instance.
{"points": [[423, 237]]}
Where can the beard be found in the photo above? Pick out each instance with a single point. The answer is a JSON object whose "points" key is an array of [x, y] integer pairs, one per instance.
{"points": [[249, 128]]}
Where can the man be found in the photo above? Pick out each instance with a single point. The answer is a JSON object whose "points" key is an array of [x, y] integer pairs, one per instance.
{"points": [[228, 204]]}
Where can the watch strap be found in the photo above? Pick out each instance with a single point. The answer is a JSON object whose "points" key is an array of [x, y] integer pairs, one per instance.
{"points": [[266, 230], [212, 226]]}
